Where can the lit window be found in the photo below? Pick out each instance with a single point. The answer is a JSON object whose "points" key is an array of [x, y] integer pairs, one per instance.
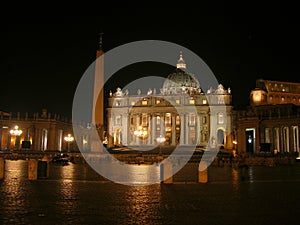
{"points": [[157, 102], [192, 101], [144, 120], [177, 101], [282, 99], [271, 98], [158, 120], [204, 101], [118, 120], [221, 118], [267, 135], [132, 103], [144, 102], [192, 119], [177, 120], [168, 118]]}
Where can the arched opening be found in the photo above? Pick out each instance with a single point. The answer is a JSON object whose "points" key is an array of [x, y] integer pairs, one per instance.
{"points": [[220, 138]]}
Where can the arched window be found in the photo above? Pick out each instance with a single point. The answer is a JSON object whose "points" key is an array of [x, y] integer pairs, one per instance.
{"points": [[221, 136]]}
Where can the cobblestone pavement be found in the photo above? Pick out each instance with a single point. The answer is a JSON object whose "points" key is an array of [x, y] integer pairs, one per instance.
{"points": [[75, 194]]}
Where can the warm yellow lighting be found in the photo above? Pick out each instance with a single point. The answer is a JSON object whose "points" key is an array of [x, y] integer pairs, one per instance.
{"points": [[160, 139], [192, 101], [141, 132], [16, 131], [69, 138], [257, 96], [144, 102], [234, 142], [204, 101]]}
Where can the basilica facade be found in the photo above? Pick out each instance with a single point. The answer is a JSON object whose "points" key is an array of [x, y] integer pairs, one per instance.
{"points": [[180, 113]]}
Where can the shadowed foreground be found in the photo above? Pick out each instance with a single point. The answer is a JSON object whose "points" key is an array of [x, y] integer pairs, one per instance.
{"points": [[75, 194]]}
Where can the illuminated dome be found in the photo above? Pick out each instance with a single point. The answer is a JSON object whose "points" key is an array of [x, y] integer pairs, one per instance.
{"points": [[181, 81]]}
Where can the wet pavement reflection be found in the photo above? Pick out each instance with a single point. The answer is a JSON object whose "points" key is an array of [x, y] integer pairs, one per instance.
{"points": [[76, 194]]}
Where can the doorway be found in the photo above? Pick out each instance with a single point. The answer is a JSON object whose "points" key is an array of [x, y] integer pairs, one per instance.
{"points": [[250, 140]]}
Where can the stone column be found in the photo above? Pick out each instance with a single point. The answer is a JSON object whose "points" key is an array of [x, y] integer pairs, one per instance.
{"points": [[2, 167], [138, 122], [173, 120], [37, 139], [0, 138], [52, 142], [198, 129], [182, 127], [153, 129], [8, 141], [187, 132], [125, 129]]}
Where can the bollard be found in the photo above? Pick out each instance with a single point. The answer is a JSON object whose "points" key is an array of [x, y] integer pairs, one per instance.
{"points": [[166, 172], [2, 167], [32, 169], [43, 167], [203, 172]]}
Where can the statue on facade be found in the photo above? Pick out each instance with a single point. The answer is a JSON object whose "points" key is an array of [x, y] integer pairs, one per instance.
{"points": [[126, 92], [119, 92], [149, 91]]}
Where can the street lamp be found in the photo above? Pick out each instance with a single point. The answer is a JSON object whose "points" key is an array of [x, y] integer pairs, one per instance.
{"points": [[234, 148], [141, 132], [160, 140], [69, 139], [16, 132]]}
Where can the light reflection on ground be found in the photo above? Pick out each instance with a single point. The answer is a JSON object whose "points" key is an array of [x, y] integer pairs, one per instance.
{"points": [[75, 194]]}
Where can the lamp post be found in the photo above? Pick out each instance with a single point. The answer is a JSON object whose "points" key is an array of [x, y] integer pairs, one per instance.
{"points": [[160, 140], [141, 132], [16, 132], [69, 139], [234, 147]]}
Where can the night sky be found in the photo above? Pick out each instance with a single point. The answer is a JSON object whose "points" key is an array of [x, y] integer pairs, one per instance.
{"points": [[42, 58]]}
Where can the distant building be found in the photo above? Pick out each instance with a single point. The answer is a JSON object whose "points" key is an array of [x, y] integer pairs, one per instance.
{"points": [[272, 120], [136, 119], [40, 131], [268, 92]]}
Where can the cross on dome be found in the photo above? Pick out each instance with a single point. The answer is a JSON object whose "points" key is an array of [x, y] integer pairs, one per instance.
{"points": [[181, 63]]}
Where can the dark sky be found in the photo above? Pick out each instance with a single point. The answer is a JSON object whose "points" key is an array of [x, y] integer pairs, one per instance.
{"points": [[42, 58]]}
